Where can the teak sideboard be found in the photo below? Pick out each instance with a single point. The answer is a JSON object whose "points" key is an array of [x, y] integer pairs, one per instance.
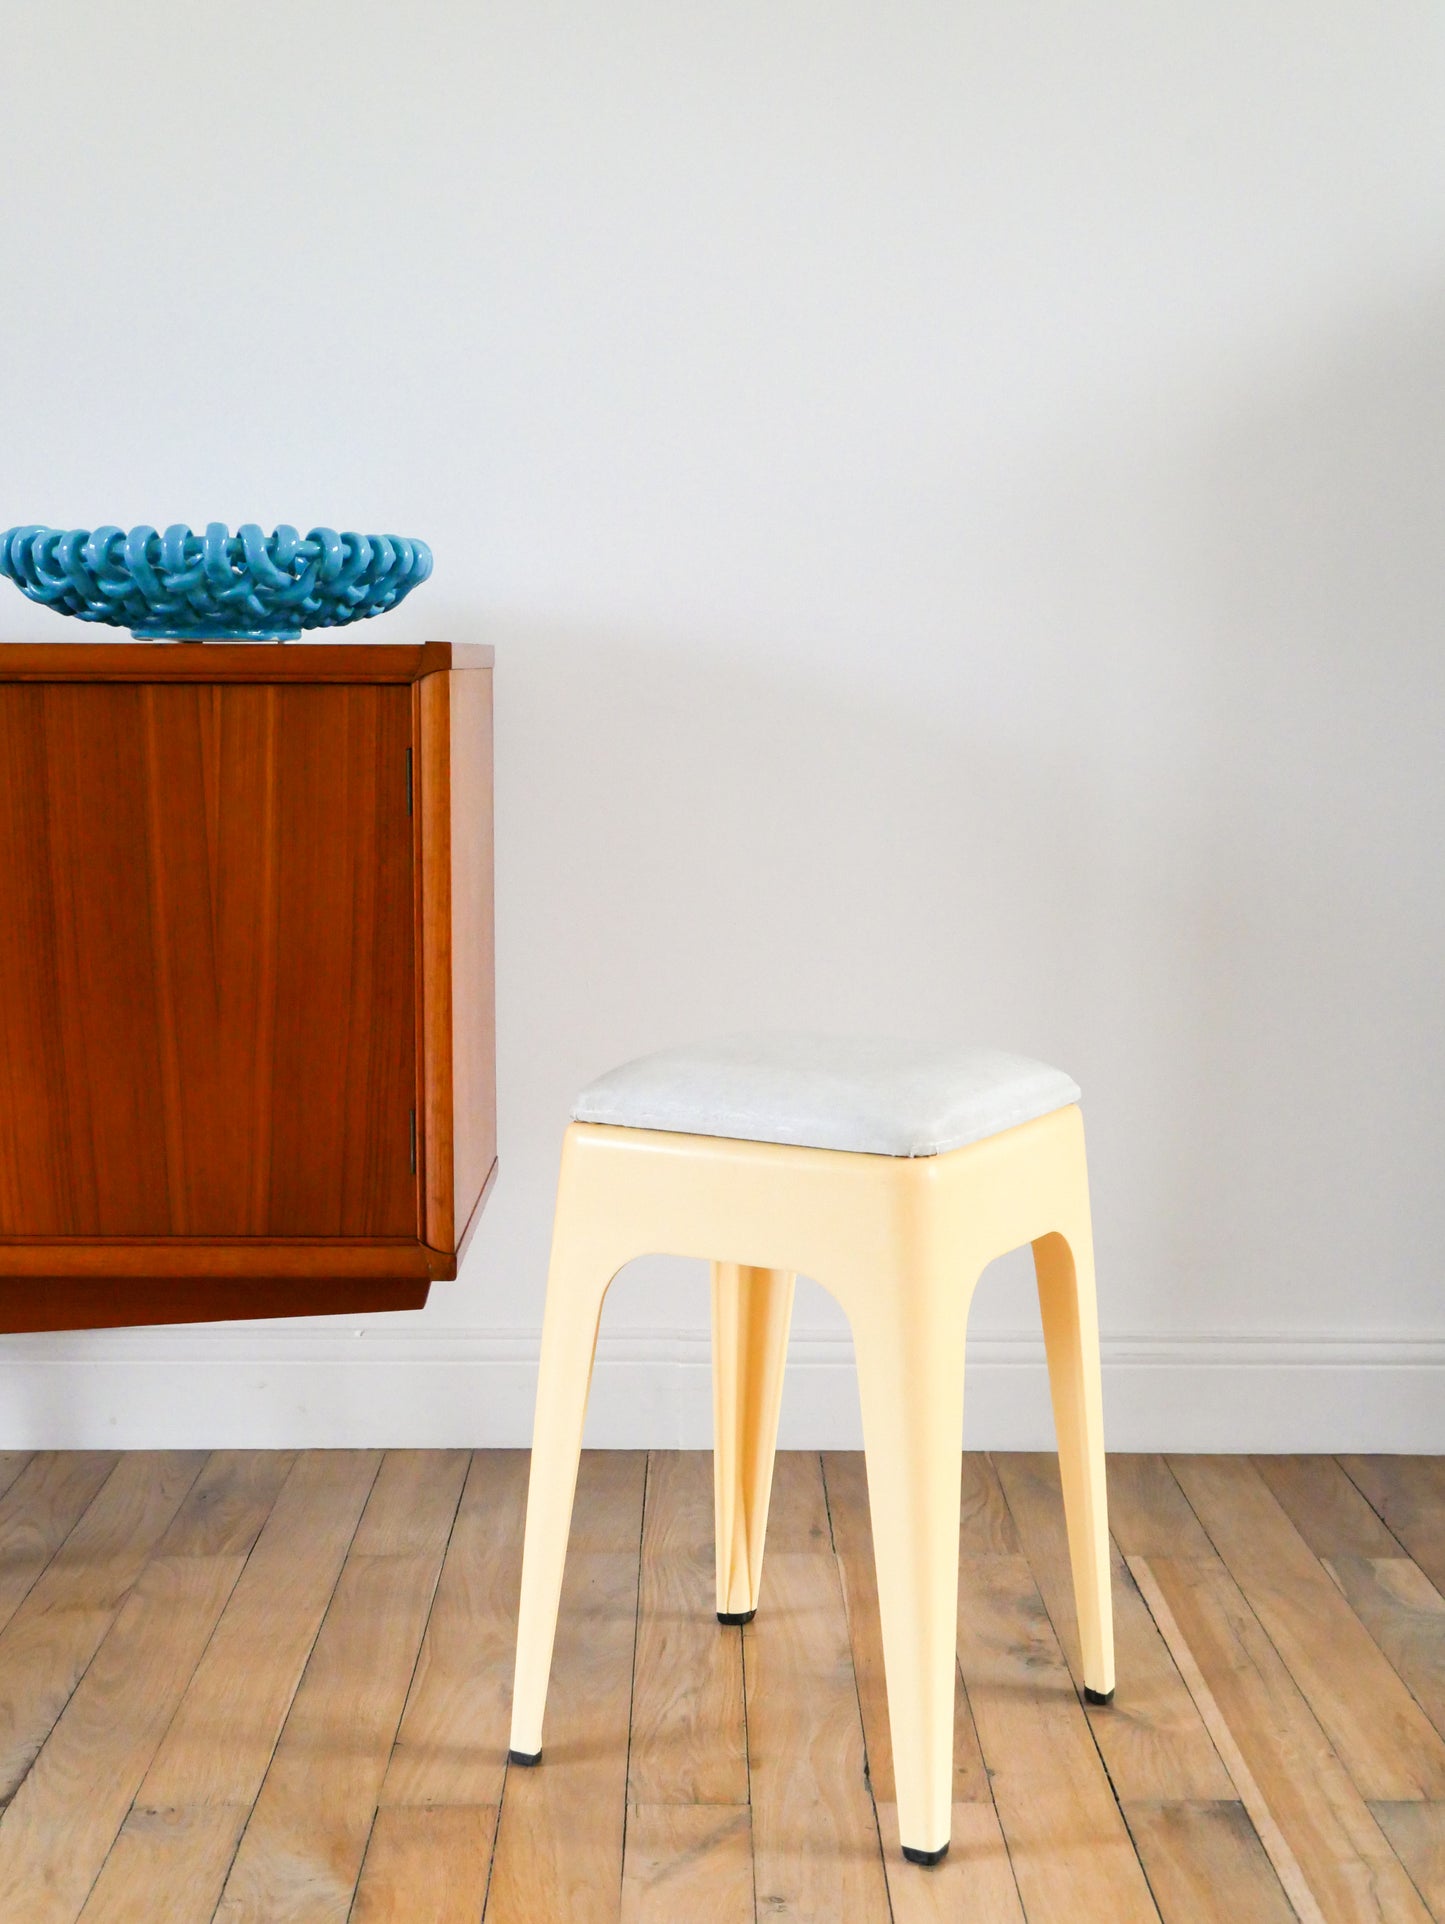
{"points": [[247, 1041]]}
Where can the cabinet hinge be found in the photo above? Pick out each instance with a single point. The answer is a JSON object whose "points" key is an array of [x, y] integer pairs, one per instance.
{"points": [[413, 1142], [408, 781]]}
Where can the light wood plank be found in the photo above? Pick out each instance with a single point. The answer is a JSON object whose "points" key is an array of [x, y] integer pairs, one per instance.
{"points": [[176, 1846], [217, 1749], [303, 1846], [1408, 1493], [1070, 1851], [988, 1526], [973, 1885], [63, 1819], [1151, 1737], [1417, 1834], [798, 1510], [166, 1867], [559, 1836], [426, 1866], [688, 1743], [12, 1462], [688, 1862], [847, 1488], [1307, 1793], [49, 1641], [607, 1510], [1405, 1614], [815, 1837], [1206, 1865], [452, 1745], [39, 1510], [1325, 1507], [1149, 1515], [1378, 1731], [228, 1504], [1276, 1845]]}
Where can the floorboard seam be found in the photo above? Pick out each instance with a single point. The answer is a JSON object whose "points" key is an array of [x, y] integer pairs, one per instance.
{"points": [[1277, 1847], [300, 1679]]}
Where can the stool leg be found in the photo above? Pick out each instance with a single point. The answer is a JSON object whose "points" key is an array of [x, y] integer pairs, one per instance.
{"points": [[577, 1281], [910, 1383], [751, 1311], [1065, 1269]]}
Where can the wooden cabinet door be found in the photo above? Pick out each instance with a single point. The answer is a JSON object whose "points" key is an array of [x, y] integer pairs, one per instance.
{"points": [[207, 961]]}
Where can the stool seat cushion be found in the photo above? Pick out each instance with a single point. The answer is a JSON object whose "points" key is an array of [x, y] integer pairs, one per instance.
{"points": [[873, 1096]]}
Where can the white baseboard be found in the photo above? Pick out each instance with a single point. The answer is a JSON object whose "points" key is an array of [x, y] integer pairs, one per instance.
{"points": [[289, 1385]]}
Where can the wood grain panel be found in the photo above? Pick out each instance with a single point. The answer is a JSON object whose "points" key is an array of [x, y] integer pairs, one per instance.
{"points": [[688, 1861], [166, 1867], [1206, 1865], [246, 1680], [798, 1513], [343, 1041], [38, 1512], [815, 1836], [986, 1521], [688, 1744], [1151, 1736], [50, 1853], [426, 1866], [1405, 1614], [1149, 1515], [116, 1578], [307, 1835], [1325, 1507], [169, 1863], [132, 1301], [1408, 1492], [206, 961], [474, 1002], [1417, 1834], [219, 661], [1341, 1853], [452, 1745], [458, 1021], [432, 728], [1384, 1739], [50, 1849], [47, 1645], [1070, 1851]]}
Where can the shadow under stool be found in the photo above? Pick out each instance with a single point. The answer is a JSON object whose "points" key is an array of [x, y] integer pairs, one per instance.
{"points": [[892, 1173]]}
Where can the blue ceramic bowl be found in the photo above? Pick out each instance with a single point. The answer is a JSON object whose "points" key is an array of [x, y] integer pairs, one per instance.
{"points": [[219, 586]]}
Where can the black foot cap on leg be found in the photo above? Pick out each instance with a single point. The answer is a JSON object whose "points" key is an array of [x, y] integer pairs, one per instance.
{"points": [[526, 1758], [925, 1857], [736, 1616], [1098, 1696]]}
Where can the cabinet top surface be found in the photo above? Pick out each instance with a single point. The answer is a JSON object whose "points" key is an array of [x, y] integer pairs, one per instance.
{"points": [[365, 661]]}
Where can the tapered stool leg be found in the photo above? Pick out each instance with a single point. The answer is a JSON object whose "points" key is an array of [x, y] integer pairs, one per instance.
{"points": [[1064, 1265], [910, 1383], [751, 1313], [576, 1285]]}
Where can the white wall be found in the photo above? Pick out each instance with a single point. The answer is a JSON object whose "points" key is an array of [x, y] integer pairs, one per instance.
{"points": [[958, 494]]}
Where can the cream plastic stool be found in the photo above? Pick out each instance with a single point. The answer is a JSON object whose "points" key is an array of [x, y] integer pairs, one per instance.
{"points": [[892, 1173]]}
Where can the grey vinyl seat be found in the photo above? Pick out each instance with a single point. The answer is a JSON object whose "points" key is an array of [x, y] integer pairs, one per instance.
{"points": [[874, 1096]]}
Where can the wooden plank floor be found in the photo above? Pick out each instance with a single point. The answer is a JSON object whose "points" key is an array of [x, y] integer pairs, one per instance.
{"points": [[272, 1688]]}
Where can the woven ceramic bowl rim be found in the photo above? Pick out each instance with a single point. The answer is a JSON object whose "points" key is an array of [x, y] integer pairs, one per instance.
{"points": [[179, 585]]}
